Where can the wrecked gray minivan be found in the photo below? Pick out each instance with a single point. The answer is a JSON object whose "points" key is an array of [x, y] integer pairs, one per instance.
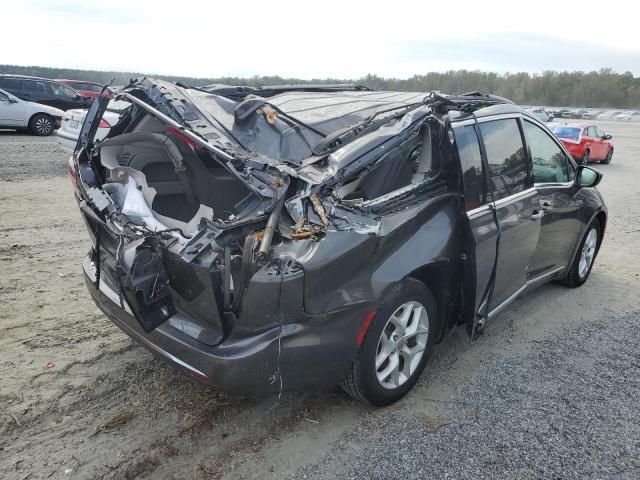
{"points": [[271, 238]]}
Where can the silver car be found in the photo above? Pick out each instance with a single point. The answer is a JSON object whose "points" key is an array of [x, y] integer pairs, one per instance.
{"points": [[541, 114]]}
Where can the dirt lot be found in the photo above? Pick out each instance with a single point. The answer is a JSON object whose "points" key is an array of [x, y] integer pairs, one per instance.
{"points": [[552, 390]]}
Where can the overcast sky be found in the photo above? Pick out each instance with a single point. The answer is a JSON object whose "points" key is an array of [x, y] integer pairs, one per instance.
{"points": [[321, 38]]}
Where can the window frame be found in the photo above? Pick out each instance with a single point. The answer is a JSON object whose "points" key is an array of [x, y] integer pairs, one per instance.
{"points": [[485, 159], [570, 168], [484, 194], [520, 117]]}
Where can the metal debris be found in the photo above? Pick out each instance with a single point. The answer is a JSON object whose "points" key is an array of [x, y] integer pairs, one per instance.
{"points": [[319, 208]]}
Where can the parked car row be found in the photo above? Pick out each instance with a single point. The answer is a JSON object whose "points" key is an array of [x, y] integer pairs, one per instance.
{"points": [[20, 114], [541, 114], [38, 104], [591, 114]]}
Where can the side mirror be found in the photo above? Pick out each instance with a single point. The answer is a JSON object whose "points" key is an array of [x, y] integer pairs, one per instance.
{"points": [[607, 137], [13, 100], [587, 176]]}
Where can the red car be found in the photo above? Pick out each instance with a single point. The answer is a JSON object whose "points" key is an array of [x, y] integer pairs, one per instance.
{"points": [[586, 143], [85, 88]]}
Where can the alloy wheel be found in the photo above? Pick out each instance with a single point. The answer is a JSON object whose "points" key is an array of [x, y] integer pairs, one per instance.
{"points": [[402, 344], [587, 253], [44, 126]]}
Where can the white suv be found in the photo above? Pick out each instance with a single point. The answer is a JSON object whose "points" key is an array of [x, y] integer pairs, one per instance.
{"points": [[18, 114]]}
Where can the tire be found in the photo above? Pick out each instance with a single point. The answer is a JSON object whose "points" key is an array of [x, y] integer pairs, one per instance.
{"points": [[577, 273], [41, 125], [607, 159], [584, 160], [363, 379]]}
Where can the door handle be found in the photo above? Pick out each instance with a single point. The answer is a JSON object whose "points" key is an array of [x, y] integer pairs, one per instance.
{"points": [[546, 205], [537, 214]]}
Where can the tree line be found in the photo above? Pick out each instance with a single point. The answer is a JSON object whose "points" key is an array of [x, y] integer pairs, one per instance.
{"points": [[604, 88]]}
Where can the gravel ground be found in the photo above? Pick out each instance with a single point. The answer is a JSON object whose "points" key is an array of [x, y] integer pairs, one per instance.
{"points": [[568, 409], [551, 390]]}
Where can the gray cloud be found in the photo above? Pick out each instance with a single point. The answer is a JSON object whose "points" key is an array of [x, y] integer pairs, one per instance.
{"points": [[511, 52]]}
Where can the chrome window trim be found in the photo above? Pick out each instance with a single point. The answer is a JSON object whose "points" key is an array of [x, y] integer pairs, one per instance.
{"points": [[554, 185], [516, 196], [476, 212]]}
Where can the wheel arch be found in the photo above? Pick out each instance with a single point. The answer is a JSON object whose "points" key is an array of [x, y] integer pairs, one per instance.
{"points": [[440, 278], [52, 117], [601, 216]]}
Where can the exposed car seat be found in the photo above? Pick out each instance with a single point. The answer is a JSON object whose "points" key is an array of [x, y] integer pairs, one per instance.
{"points": [[204, 181]]}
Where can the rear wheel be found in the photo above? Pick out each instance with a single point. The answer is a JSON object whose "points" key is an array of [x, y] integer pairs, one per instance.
{"points": [[607, 159], [41, 124], [585, 157], [582, 264], [396, 347]]}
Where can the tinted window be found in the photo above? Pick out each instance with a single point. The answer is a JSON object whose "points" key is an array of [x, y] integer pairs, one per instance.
{"points": [[10, 83], [60, 90], [3, 97], [549, 160], [471, 162], [505, 157], [590, 132], [35, 86]]}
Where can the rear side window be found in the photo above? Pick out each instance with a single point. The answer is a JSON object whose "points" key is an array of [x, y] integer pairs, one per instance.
{"points": [[11, 83], [471, 162], [549, 160], [505, 157], [35, 86]]}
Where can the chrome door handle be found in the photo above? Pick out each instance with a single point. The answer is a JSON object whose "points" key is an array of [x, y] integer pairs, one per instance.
{"points": [[537, 214]]}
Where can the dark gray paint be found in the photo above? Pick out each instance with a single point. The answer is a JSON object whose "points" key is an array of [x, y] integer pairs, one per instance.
{"points": [[303, 308]]}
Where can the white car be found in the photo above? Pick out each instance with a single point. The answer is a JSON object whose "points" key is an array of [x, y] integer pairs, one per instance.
{"points": [[19, 114], [542, 114], [609, 114], [629, 117], [72, 121]]}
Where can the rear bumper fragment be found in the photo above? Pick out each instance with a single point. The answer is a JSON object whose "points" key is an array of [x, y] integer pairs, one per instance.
{"points": [[314, 351]]}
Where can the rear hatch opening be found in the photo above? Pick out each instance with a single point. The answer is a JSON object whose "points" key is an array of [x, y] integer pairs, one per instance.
{"points": [[176, 233], [184, 215]]}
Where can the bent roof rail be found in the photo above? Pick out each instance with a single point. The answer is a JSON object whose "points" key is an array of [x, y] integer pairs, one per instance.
{"points": [[241, 91]]}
